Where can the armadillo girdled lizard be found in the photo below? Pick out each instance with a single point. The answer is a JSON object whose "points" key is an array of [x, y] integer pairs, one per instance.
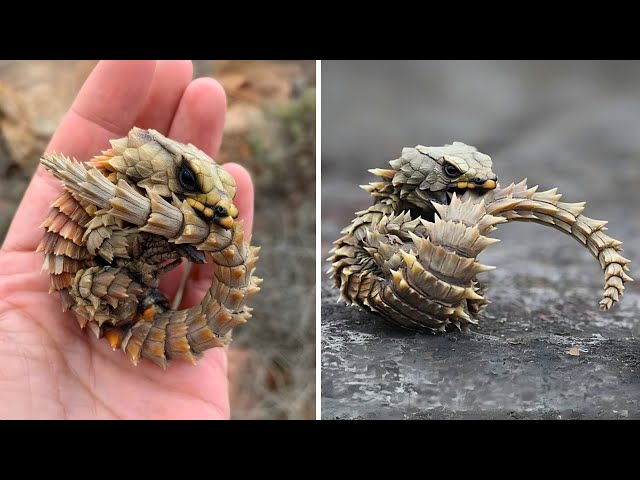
{"points": [[141, 207], [412, 256]]}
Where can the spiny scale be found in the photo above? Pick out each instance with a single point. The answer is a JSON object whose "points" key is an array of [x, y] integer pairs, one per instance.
{"points": [[422, 274], [547, 209], [110, 234]]}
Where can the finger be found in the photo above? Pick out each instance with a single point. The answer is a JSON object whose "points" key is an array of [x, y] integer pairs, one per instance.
{"points": [[105, 108], [169, 83], [170, 282], [201, 276], [199, 119], [200, 116], [244, 198]]}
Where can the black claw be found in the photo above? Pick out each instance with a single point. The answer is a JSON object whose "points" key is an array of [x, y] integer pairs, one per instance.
{"points": [[153, 297], [193, 255]]}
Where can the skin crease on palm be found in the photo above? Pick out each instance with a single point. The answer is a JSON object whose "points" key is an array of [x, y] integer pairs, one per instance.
{"points": [[49, 367]]}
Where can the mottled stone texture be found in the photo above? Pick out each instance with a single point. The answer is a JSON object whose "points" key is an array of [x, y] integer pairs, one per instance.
{"points": [[517, 365]]}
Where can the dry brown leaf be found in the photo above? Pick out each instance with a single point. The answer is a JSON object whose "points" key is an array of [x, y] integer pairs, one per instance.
{"points": [[575, 351]]}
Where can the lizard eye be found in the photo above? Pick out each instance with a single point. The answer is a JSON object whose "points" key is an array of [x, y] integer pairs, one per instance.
{"points": [[451, 171], [187, 179]]}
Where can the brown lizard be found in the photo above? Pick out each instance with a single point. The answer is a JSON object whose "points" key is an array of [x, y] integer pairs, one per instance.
{"points": [[140, 208], [411, 257]]}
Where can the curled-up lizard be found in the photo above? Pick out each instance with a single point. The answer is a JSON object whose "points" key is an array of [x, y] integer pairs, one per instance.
{"points": [[132, 216], [411, 257]]}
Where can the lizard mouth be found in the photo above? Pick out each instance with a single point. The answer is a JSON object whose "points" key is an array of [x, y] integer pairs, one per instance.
{"points": [[217, 214], [461, 188], [480, 185], [224, 222]]}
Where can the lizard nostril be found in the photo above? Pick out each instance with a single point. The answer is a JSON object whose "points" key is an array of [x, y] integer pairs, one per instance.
{"points": [[478, 181]]}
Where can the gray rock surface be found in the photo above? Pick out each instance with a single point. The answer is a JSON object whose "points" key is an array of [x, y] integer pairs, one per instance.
{"points": [[517, 364], [572, 125]]}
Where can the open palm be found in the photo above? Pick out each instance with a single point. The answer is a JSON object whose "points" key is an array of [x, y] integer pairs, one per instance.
{"points": [[49, 367]]}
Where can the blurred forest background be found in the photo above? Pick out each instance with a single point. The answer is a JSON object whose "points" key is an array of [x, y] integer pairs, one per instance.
{"points": [[270, 129]]}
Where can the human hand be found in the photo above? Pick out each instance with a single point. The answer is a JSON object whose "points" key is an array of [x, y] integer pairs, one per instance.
{"points": [[49, 367]]}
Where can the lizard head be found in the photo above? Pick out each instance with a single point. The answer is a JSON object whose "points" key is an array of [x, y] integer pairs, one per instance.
{"points": [[425, 174], [156, 163], [208, 188]]}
